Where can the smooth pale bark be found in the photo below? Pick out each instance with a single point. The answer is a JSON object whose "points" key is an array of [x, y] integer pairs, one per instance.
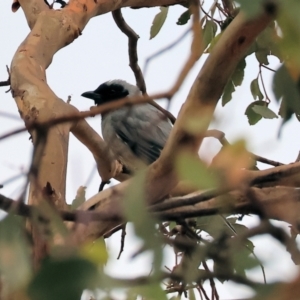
{"points": [[52, 30]]}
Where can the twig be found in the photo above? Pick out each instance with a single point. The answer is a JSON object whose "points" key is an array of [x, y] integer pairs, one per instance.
{"points": [[13, 178], [179, 288], [212, 283], [247, 247], [133, 59], [228, 7], [263, 84], [266, 160], [6, 82], [102, 185], [298, 157], [163, 50], [91, 113], [166, 112], [220, 135], [196, 48], [132, 49], [91, 176], [188, 200], [203, 291], [112, 231], [9, 116], [268, 68], [12, 133], [122, 239], [25, 210], [207, 275], [254, 178], [278, 233], [208, 16]]}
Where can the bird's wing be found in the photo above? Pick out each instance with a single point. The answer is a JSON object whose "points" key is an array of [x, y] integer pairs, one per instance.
{"points": [[144, 129]]}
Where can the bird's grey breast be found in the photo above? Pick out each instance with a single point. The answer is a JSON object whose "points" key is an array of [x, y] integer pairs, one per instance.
{"points": [[137, 134]]}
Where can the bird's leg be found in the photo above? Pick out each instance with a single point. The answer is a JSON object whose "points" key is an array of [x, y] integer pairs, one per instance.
{"points": [[102, 185]]}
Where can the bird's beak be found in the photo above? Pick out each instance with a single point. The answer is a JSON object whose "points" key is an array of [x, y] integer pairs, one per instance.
{"points": [[94, 96]]}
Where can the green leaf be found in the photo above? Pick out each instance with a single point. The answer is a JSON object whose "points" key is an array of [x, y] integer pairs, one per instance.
{"points": [[151, 292], [195, 172], [289, 23], [249, 244], [264, 291], [64, 279], [213, 225], [184, 18], [251, 49], [284, 111], [135, 211], [213, 43], [236, 80], [134, 207], [227, 94], [255, 90], [80, 197], [95, 251], [15, 255], [242, 261], [238, 74], [158, 21], [264, 111], [172, 224], [267, 43], [251, 8], [192, 295], [209, 31], [266, 38], [262, 56], [252, 116], [285, 89]]}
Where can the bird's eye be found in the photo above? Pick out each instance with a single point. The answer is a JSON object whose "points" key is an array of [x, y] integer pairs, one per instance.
{"points": [[112, 91]]}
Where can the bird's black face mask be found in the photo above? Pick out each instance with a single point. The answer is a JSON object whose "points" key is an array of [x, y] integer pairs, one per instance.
{"points": [[106, 92]]}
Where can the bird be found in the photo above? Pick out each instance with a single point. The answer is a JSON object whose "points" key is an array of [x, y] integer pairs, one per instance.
{"points": [[137, 134]]}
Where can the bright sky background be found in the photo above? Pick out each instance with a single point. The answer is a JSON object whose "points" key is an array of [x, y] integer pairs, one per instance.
{"points": [[100, 54]]}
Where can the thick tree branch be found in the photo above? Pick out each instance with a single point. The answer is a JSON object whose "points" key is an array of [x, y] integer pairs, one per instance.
{"points": [[11, 206], [31, 8], [280, 203]]}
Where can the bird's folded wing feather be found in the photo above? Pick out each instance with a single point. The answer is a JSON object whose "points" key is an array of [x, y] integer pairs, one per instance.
{"points": [[144, 129]]}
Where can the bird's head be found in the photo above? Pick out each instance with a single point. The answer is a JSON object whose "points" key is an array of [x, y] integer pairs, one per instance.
{"points": [[112, 90]]}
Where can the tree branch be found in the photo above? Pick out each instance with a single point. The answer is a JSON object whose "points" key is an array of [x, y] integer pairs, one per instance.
{"points": [[132, 49], [133, 59], [6, 82], [31, 9], [12, 206], [280, 203]]}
